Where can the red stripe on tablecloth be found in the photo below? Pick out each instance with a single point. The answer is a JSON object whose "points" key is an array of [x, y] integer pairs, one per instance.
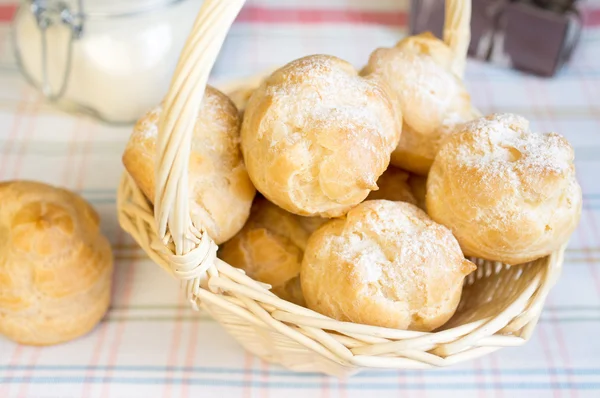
{"points": [[190, 358], [35, 356], [114, 350], [173, 353], [320, 15], [588, 88], [29, 130], [591, 17], [6, 387], [496, 378], [254, 14], [540, 95], [547, 351], [13, 132], [248, 362], [7, 11]]}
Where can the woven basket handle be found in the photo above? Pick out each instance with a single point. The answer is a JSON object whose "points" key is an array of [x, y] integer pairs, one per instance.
{"points": [[176, 125], [457, 32]]}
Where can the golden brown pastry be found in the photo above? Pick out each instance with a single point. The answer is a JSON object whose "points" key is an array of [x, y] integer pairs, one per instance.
{"points": [[55, 265], [384, 264], [270, 248], [316, 136], [433, 99], [418, 187], [508, 194], [240, 90], [241, 96], [220, 191], [393, 185]]}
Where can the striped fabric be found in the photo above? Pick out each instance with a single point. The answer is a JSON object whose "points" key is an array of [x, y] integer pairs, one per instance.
{"points": [[152, 345]]}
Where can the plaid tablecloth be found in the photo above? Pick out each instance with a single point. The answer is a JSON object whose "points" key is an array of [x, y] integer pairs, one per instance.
{"points": [[152, 345]]}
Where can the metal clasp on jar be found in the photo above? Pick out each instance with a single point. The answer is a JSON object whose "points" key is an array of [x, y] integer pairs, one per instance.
{"points": [[49, 13]]}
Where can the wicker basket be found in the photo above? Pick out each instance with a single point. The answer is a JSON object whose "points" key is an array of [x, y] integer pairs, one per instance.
{"points": [[500, 305]]}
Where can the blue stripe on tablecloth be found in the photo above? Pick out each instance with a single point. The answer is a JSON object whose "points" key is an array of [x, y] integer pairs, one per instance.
{"points": [[99, 201], [499, 74], [109, 196], [378, 374], [113, 192], [302, 385]]}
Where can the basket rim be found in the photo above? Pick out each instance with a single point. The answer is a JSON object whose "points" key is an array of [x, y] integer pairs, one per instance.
{"points": [[230, 288]]}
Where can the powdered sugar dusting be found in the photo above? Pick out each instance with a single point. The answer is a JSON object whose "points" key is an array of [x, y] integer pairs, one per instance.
{"points": [[508, 194], [395, 242], [334, 99], [503, 143], [432, 98], [329, 131], [147, 127], [220, 192], [397, 262], [418, 70], [216, 112]]}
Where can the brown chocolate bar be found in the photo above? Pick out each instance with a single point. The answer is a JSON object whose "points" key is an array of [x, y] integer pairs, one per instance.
{"points": [[536, 36]]}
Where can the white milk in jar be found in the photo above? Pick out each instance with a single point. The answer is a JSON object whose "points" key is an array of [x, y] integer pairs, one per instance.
{"points": [[109, 58]]}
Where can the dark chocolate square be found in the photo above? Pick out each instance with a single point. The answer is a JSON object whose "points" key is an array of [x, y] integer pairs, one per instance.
{"points": [[536, 36]]}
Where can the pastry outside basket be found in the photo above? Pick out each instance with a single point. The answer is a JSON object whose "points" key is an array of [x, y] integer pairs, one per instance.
{"points": [[500, 305]]}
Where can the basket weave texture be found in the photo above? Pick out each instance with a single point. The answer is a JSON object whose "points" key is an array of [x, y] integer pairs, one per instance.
{"points": [[500, 305]]}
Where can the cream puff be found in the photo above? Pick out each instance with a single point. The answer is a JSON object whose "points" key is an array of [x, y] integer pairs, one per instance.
{"points": [[55, 264], [316, 136], [432, 98], [220, 191], [508, 194], [384, 264], [270, 248]]}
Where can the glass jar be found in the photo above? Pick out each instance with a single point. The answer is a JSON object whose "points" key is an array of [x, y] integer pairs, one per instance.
{"points": [[112, 59]]}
